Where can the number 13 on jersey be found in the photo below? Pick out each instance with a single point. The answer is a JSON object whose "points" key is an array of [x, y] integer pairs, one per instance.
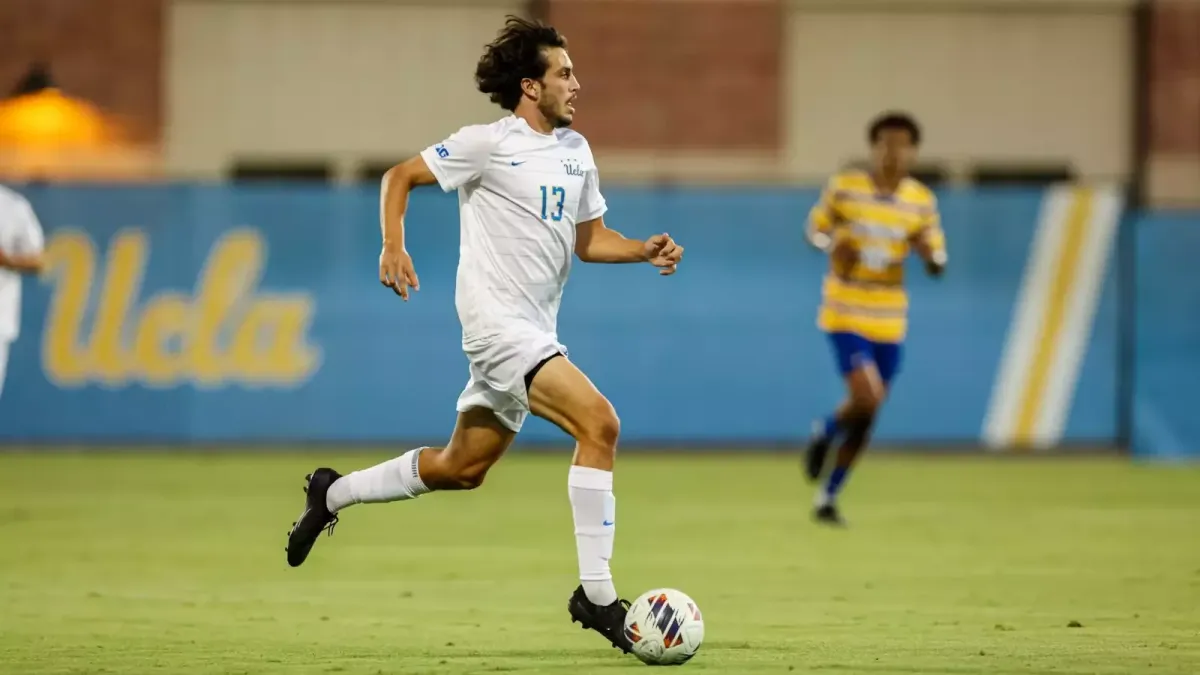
{"points": [[552, 202]]}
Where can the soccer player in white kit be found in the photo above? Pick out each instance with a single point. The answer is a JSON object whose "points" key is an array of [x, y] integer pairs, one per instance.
{"points": [[529, 198], [21, 245]]}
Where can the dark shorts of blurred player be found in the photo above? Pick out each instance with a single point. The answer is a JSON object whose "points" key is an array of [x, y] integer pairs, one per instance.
{"points": [[853, 352]]}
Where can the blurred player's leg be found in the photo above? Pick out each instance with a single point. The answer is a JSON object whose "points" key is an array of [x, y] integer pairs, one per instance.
{"points": [[851, 352], [824, 433], [867, 383], [866, 393], [562, 394], [478, 442]]}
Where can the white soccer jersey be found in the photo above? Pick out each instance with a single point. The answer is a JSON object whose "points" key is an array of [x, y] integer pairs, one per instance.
{"points": [[20, 234], [520, 194]]}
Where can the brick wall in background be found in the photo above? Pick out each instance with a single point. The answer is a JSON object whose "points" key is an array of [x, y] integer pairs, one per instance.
{"points": [[1174, 105], [106, 51], [676, 74], [1175, 78]]}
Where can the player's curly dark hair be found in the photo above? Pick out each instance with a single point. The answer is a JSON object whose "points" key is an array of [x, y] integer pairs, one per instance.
{"points": [[518, 52], [894, 120]]}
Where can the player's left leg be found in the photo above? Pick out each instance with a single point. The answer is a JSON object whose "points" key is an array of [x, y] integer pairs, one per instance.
{"points": [[478, 441], [562, 394], [869, 383]]}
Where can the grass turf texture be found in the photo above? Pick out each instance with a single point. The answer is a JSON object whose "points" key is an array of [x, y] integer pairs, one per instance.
{"points": [[138, 563]]}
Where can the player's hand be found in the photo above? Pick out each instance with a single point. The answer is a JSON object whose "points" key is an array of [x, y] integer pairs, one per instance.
{"points": [[845, 256], [934, 259], [396, 270], [662, 252]]}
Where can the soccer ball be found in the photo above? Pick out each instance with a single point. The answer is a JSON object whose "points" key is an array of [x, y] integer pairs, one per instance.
{"points": [[665, 627]]}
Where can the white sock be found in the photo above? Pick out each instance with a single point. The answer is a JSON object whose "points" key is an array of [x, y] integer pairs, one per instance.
{"points": [[822, 498], [392, 481], [595, 511]]}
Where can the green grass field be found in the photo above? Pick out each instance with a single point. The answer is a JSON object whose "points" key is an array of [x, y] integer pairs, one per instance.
{"points": [[126, 563]]}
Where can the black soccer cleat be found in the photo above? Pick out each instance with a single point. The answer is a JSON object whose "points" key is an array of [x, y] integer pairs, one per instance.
{"points": [[829, 515], [315, 518], [814, 456], [608, 620]]}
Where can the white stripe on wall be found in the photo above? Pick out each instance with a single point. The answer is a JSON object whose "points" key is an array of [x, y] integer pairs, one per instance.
{"points": [[1053, 317], [1013, 373], [1081, 314]]}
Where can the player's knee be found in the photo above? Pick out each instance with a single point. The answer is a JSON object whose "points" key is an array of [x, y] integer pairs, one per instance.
{"points": [[600, 427], [865, 402], [871, 406], [867, 389]]}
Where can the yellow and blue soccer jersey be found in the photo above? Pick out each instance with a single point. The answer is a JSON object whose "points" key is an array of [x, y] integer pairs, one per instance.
{"points": [[869, 299]]}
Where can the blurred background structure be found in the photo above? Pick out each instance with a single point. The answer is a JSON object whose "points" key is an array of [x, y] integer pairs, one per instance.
{"points": [[207, 172]]}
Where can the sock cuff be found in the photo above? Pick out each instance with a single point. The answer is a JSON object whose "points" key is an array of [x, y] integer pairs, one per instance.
{"points": [[587, 478], [411, 475]]}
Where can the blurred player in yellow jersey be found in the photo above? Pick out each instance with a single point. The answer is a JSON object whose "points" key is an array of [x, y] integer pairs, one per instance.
{"points": [[868, 221]]}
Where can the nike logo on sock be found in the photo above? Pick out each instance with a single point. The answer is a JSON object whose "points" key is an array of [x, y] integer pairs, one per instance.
{"points": [[607, 523]]}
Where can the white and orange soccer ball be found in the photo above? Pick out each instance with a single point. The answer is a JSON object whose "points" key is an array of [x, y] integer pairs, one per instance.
{"points": [[665, 627]]}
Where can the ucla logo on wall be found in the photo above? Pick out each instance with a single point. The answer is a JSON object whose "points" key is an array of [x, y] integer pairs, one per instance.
{"points": [[99, 329]]}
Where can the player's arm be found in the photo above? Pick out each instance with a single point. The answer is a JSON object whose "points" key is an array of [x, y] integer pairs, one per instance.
{"points": [[930, 243], [396, 269], [27, 257], [398, 182], [451, 164], [827, 233], [823, 221], [25, 264], [595, 242]]}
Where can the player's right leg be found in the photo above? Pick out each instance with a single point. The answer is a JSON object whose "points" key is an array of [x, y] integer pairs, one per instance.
{"points": [[478, 442], [855, 360], [866, 390], [562, 394], [873, 366], [866, 395]]}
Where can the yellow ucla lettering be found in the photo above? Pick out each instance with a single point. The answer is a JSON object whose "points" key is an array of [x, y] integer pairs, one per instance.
{"points": [[224, 333], [270, 341], [70, 265], [110, 361], [225, 286], [159, 344]]}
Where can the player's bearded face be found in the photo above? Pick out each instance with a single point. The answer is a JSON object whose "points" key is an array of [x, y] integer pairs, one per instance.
{"points": [[558, 90], [556, 109]]}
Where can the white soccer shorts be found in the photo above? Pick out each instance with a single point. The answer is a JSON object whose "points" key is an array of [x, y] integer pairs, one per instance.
{"points": [[498, 365]]}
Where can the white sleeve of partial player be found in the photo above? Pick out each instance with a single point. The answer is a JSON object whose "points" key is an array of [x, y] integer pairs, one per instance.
{"points": [[30, 239], [591, 202], [462, 157], [17, 218]]}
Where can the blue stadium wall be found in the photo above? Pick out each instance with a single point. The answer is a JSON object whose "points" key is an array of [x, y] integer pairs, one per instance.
{"points": [[1167, 325], [217, 314]]}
